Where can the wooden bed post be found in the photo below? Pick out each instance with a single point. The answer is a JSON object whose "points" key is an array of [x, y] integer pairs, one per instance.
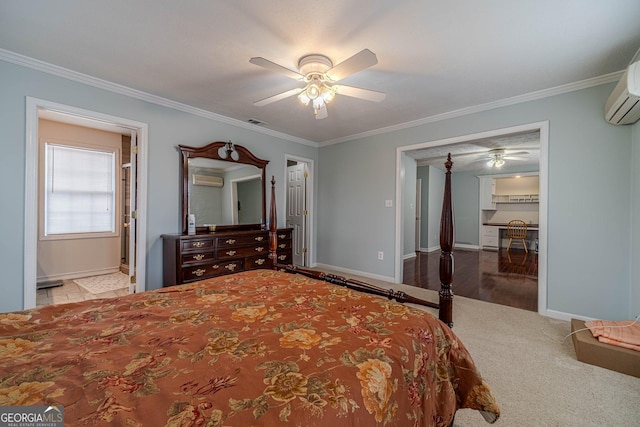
{"points": [[273, 226], [446, 247]]}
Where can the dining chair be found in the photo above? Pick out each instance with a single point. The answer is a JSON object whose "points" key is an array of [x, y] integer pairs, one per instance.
{"points": [[517, 230]]}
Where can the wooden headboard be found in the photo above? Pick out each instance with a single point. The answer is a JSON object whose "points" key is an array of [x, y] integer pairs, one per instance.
{"points": [[445, 303]]}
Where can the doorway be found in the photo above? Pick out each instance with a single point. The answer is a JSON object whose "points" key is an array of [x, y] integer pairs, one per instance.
{"points": [[37, 108], [543, 129], [298, 207]]}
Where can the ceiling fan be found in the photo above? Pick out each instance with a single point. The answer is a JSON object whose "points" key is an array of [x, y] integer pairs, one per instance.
{"points": [[319, 75], [496, 158]]}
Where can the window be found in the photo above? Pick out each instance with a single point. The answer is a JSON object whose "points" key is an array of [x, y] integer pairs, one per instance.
{"points": [[79, 190]]}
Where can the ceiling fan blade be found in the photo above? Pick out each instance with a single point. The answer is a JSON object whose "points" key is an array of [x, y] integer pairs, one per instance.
{"points": [[322, 113], [358, 62], [516, 153], [272, 66], [356, 92], [277, 97]]}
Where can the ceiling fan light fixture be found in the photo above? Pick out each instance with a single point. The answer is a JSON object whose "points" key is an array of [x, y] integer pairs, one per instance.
{"points": [[496, 162]]}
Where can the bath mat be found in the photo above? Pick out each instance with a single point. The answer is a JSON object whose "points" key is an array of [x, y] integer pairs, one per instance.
{"points": [[104, 283]]}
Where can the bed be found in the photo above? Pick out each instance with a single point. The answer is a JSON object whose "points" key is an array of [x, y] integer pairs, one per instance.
{"points": [[257, 348]]}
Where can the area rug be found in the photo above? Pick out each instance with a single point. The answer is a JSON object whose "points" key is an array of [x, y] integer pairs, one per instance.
{"points": [[104, 283]]}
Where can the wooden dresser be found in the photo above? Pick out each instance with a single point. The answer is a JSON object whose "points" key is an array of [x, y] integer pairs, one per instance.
{"points": [[190, 258]]}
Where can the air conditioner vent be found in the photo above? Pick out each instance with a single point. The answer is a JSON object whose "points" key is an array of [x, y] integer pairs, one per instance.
{"points": [[623, 105], [256, 122], [208, 180]]}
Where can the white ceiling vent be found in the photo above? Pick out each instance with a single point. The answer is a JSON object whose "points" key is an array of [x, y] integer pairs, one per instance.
{"points": [[623, 105], [208, 180]]}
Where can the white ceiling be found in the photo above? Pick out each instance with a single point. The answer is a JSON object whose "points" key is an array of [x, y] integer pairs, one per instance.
{"points": [[434, 57]]}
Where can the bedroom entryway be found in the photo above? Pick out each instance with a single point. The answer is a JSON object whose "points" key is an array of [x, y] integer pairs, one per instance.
{"points": [[72, 252]]}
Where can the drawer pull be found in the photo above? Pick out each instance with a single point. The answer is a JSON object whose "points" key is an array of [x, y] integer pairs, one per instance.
{"points": [[231, 267], [259, 261], [281, 236], [197, 244], [231, 253], [198, 257], [215, 267], [282, 245], [259, 249], [282, 257], [199, 272], [230, 241], [259, 238]]}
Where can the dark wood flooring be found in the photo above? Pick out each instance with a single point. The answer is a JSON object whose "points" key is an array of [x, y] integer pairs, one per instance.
{"points": [[501, 277]]}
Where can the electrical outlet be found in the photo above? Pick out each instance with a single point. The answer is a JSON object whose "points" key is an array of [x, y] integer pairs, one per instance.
{"points": [[388, 203], [380, 255]]}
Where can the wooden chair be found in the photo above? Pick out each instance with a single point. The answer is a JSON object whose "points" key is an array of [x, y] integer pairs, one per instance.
{"points": [[517, 230]]}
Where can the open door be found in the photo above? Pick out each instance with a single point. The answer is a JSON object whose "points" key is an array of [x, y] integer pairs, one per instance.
{"points": [[297, 210], [418, 212], [133, 206]]}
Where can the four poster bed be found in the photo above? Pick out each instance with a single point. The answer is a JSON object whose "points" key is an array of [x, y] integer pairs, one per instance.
{"points": [[260, 347]]}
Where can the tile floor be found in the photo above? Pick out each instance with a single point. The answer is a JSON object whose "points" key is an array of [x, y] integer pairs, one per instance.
{"points": [[71, 292]]}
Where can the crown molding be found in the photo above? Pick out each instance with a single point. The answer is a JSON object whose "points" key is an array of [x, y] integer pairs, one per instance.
{"points": [[55, 70], [35, 64], [545, 93]]}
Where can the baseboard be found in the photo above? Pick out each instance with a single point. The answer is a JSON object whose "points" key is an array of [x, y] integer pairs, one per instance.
{"points": [[409, 256], [356, 272], [465, 246], [78, 274], [564, 316]]}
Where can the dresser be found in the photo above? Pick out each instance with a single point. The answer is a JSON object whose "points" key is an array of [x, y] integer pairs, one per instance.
{"points": [[190, 258]]}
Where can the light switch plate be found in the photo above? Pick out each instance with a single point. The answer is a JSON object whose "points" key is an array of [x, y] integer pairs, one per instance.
{"points": [[388, 203]]}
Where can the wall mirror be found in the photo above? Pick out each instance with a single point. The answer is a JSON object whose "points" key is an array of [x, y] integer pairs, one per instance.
{"points": [[223, 185]]}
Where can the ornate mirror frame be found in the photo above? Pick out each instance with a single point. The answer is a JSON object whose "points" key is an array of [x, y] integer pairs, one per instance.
{"points": [[230, 153]]}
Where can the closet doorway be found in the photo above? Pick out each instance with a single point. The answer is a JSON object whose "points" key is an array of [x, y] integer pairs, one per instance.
{"points": [[298, 207]]}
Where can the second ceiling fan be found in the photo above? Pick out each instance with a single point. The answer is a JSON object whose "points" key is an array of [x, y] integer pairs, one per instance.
{"points": [[320, 77]]}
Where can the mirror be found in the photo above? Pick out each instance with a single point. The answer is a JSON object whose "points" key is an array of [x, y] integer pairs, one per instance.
{"points": [[222, 185]]}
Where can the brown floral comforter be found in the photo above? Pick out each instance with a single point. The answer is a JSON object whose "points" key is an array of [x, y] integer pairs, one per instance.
{"points": [[259, 348]]}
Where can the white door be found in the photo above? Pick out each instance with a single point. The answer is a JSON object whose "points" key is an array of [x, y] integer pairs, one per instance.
{"points": [[297, 210], [418, 212], [133, 210]]}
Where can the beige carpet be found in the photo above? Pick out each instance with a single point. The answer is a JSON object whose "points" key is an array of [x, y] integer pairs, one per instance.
{"points": [[533, 370], [104, 283]]}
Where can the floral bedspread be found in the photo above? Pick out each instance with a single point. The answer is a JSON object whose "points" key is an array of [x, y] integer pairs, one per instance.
{"points": [[259, 348]]}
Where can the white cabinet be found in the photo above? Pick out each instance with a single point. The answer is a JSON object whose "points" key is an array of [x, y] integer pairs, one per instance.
{"points": [[487, 189], [490, 237]]}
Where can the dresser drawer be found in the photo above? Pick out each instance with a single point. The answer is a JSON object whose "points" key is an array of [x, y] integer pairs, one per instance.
{"points": [[260, 261], [199, 272], [233, 241], [283, 245], [188, 245], [242, 251], [197, 257], [284, 235], [284, 257]]}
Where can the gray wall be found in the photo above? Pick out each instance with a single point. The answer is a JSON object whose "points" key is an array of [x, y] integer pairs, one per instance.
{"points": [[167, 128], [589, 198]]}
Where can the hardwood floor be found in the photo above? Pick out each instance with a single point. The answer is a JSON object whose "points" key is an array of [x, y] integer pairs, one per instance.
{"points": [[501, 277]]}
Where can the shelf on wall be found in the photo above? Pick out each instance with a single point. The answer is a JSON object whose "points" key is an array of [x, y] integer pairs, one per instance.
{"points": [[516, 198]]}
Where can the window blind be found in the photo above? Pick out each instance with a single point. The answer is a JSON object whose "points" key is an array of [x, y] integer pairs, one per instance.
{"points": [[79, 190]]}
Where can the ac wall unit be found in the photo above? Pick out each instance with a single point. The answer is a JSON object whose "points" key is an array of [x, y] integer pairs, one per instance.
{"points": [[623, 105], [208, 180]]}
